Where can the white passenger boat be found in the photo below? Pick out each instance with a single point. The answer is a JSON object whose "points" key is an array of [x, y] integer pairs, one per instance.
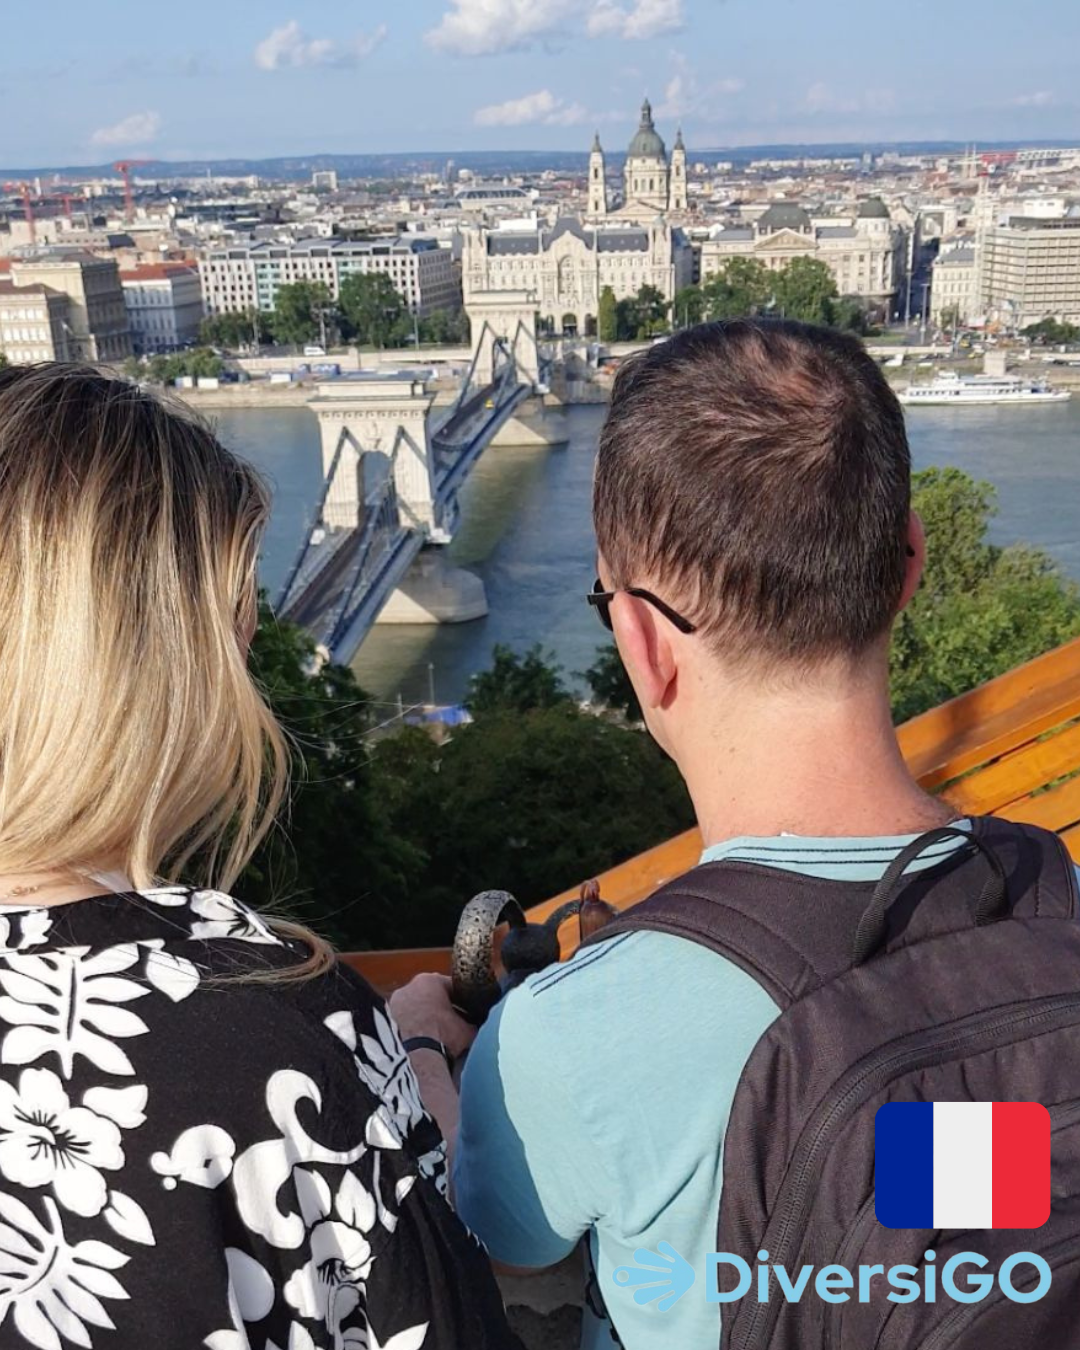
{"points": [[955, 390]]}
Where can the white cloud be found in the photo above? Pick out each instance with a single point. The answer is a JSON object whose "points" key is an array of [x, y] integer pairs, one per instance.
{"points": [[483, 27], [687, 95], [541, 108], [1042, 99], [642, 19], [290, 47], [139, 129]]}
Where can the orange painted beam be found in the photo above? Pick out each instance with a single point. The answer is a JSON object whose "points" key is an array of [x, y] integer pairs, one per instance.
{"points": [[999, 716], [389, 970]]}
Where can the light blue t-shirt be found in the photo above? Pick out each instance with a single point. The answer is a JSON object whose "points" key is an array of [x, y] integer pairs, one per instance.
{"points": [[596, 1097]]}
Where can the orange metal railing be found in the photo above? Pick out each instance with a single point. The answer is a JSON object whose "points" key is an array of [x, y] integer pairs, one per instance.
{"points": [[1009, 748]]}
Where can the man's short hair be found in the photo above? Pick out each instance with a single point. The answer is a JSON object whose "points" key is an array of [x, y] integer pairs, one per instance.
{"points": [[758, 471]]}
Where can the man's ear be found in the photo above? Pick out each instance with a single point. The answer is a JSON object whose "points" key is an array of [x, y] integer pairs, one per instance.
{"points": [[915, 559], [645, 647]]}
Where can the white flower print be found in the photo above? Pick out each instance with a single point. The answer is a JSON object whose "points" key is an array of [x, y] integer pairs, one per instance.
{"points": [[52, 1289], [364, 1338], [65, 1003], [389, 1074], [201, 1156], [251, 1296], [327, 1287], [27, 928], [223, 916], [45, 1141]]}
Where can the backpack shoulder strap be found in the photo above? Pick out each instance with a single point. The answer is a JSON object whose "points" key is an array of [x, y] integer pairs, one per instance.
{"points": [[714, 905], [793, 932], [1041, 875]]}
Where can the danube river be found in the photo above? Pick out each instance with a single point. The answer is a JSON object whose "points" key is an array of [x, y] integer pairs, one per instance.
{"points": [[526, 530]]}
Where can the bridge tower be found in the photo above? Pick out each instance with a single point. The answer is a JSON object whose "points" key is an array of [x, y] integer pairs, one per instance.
{"points": [[375, 423], [511, 316]]}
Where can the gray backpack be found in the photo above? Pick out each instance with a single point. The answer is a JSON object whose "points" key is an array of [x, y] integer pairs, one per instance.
{"points": [[955, 983]]}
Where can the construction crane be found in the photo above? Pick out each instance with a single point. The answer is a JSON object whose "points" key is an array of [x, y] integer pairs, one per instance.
{"points": [[124, 168], [23, 190]]}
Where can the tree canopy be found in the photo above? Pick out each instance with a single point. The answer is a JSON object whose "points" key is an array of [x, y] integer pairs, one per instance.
{"points": [[607, 316], [642, 315], [804, 289], [1053, 331], [981, 609], [372, 307], [298, 309], [241, 329]]}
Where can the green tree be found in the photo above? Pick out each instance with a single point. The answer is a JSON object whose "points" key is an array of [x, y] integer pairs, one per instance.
{"points": [[642, 315], [607, 320], [950, 317], [610, 685], [805, 289], [201, 363], [849, 315], [3, 360], [688, 307], [1053, 331], [445, 327], [372, 306], [335, 862], [741, 287], [981, 609], [300, 311], [652, 311], [516, 683], [531, 802], [241, 329]]}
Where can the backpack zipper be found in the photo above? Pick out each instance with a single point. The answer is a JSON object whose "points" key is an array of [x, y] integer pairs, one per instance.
{"points": [[1062, 1116], [919, 1050], [942, 1334]]}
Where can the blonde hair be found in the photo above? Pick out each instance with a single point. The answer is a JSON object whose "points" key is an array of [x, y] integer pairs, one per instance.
{"points": [[132, 735]]}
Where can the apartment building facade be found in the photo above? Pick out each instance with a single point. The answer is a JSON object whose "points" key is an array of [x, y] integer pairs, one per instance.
{"points": [[240, 277], [164, 306], [33, 323], [1028, 269], [95, 322]]}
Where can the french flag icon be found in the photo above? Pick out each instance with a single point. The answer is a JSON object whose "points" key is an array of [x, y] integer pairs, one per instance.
{"points": [[962, 1165]]}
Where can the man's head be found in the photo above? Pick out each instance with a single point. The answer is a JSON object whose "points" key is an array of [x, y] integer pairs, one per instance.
{"points": [[755, 475]]}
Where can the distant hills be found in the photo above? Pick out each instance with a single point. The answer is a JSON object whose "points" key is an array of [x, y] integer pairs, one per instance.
{"points": [[490, 162]]}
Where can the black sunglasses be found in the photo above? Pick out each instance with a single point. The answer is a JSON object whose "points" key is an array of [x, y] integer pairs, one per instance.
{"points": [[601, 602]]}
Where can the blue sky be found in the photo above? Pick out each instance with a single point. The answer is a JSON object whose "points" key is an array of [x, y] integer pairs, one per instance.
{"points": [[218, 78]]}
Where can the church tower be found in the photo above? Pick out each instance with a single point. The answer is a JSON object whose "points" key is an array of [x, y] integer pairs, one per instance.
{"points": [[678, 174], [597, 181], [646, 171]]}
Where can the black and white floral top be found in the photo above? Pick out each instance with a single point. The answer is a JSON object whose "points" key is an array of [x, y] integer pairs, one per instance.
{"points": [[187, 1159]]}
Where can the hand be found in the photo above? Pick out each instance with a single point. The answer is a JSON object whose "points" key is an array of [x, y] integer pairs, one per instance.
{"points": [[423, 1008]]}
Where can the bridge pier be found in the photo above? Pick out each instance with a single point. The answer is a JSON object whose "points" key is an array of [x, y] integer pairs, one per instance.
{"points": [[539, 421], [433, 591]]}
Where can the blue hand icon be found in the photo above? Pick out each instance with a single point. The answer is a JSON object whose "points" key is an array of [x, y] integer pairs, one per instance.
{"points": [[655, 1274]]}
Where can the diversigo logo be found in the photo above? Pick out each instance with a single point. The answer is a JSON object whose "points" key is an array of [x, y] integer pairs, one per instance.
{"points": [[952, 1165]]}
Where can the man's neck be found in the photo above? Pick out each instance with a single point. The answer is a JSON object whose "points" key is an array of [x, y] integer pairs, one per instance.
{"points": [[814, 765]]}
